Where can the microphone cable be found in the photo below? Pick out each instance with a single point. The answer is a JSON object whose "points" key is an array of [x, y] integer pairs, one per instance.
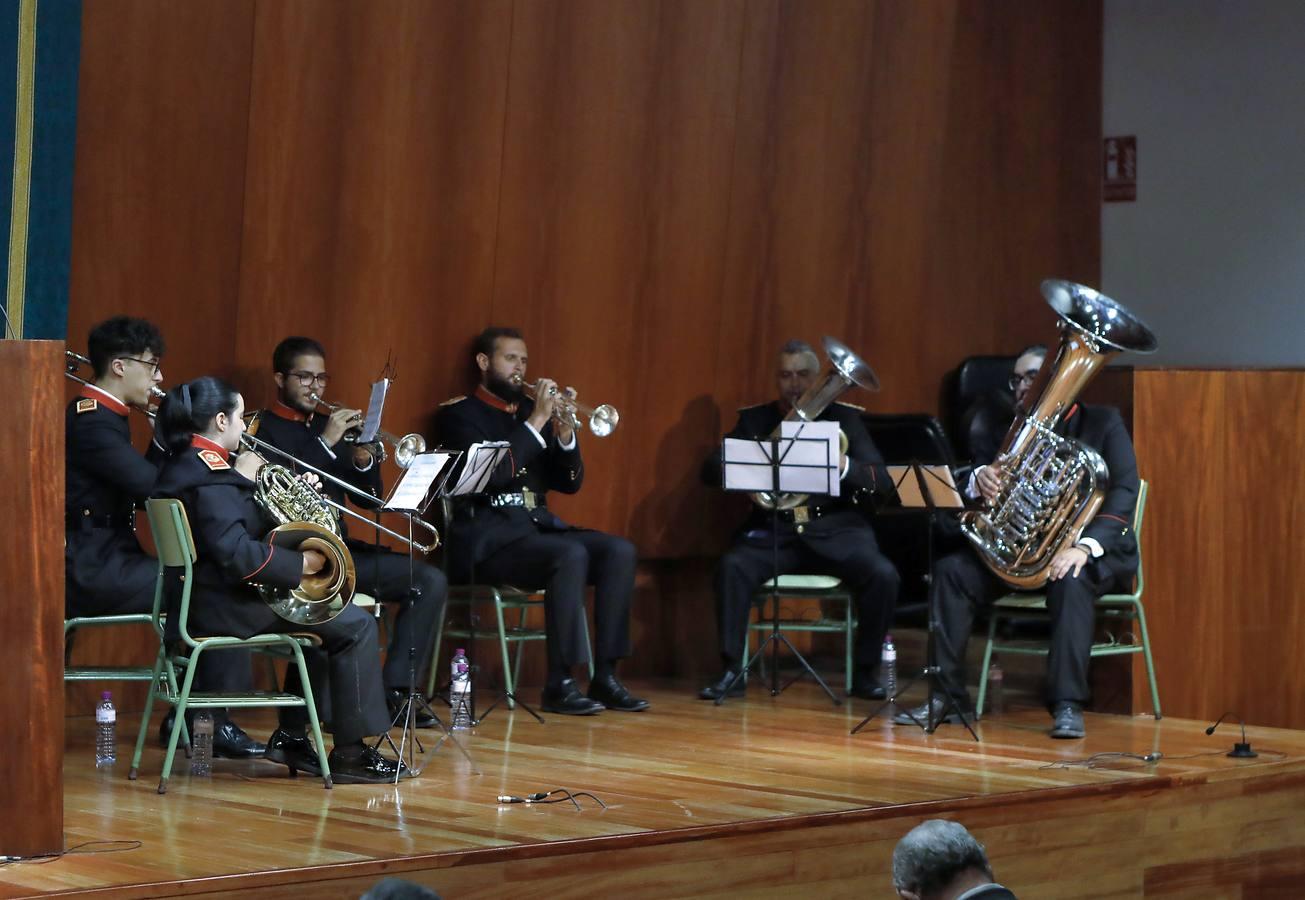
{"points": [[548, 797]]}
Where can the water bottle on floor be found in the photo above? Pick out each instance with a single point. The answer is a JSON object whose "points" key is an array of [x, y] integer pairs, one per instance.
{"points": [[460, 691], [996, 689], [201, 736], [106, 731], [888, 672]]}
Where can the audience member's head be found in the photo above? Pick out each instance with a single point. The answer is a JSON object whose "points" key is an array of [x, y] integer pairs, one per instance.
{"points": [[398, 889], [940, 860]]}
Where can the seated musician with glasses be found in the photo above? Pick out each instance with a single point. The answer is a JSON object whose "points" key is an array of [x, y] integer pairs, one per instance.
{"points": [[294, 425], [201, 422], [1104, 560], [107, 572], [825, 536], [509, 535]]}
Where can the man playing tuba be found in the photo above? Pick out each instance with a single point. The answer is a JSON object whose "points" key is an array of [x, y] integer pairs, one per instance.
{"points": [[823, 535]]}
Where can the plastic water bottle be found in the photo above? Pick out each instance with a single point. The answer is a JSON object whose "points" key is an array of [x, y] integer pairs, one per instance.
{"points": [[996, 688], [460, 690], [201, 736], [106, 731], [888, 671]]}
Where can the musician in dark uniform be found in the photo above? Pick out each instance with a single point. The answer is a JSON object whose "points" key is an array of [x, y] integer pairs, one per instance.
{"points": [[826, 535], [294, 425], [107, 572], [200, 423], [511, 537], [1104, 560]]}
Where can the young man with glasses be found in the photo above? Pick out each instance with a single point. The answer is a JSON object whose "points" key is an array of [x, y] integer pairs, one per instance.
{"points": [[106, 570], [1103, 561], [294, 425]]}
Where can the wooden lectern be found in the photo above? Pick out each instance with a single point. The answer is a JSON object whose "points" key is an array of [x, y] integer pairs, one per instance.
{"points": [[31, 588]]}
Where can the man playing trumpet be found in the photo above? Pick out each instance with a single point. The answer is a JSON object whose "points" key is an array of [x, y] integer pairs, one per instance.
{"points": [[510, 537], [294, 425]]}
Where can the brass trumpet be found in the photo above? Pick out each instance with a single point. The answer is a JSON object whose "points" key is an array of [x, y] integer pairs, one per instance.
{"points": [[73, 361], [603, 419], [406, 448]]}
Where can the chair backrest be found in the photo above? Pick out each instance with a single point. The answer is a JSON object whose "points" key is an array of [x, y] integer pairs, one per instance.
{"points": [[172, 537], [1138, 513], [909, 437]]}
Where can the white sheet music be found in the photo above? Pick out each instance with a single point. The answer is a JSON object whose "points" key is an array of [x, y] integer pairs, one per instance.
{"points": [[480, 461], [410, 493], [808, 465], [375, 407]]}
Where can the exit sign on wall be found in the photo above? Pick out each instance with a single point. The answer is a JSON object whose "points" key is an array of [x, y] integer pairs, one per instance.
{"points": [[1119, 172]]}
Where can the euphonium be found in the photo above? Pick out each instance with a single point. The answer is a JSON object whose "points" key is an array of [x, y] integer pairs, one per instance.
{"points": [[846, 370], [1052, 486], [305, 522]]}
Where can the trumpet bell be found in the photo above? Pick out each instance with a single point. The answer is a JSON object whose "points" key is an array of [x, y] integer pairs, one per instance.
{"points": [[409, 447], [604, 419]]}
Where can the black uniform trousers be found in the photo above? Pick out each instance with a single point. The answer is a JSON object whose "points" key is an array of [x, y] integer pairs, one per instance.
{"points": [[563, 563], [851, 554], [384, 575], [962, 585]]}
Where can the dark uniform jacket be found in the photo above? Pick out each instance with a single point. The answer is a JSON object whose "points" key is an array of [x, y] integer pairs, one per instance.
{"points": [[106, 479], [301, 436], [1102, 428], [529, 466], [232, 552], [829, 515]]}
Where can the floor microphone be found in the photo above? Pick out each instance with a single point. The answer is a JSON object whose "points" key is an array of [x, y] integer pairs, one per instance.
{"points": [[1242, 749]]}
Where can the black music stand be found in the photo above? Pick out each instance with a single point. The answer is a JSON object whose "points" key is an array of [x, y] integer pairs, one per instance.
{"points": [[923, 486], [410, 497], [764, 464], [481, 461]]}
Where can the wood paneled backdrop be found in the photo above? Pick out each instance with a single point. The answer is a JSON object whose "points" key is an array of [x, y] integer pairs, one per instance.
{"points": [[658, 193]]}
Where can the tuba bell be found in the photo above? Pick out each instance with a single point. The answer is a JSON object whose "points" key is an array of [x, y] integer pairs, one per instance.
{"points": [[847, 370], [305, 522], [1051, 486]]}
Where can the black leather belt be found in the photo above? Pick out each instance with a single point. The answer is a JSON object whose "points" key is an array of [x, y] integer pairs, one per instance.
{"points": [[800, 515], [526, 499], [84, 519]]}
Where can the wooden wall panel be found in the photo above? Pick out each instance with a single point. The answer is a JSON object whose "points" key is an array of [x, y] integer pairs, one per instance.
{"points": [[1223, 566]]}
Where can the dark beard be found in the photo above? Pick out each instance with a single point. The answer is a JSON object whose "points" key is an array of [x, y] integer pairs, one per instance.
{"points": [[508, 391]]}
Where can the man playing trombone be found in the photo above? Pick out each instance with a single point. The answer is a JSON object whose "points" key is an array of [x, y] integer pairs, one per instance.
{"points": [[510, 536], [295, 426]]}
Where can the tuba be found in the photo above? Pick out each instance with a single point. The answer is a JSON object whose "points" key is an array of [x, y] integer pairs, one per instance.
{"points": [[305, 522], [846, 370], [1052, 486]]}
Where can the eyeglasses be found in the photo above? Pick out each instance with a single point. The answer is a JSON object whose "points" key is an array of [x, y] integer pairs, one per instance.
{"points": [[1027, 378], [307, 379], [152, 363]]}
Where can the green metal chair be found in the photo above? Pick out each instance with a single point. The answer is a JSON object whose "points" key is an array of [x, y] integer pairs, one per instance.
{"points": [[176, 548], [105, 673], [825, 588], [1127, 607]]}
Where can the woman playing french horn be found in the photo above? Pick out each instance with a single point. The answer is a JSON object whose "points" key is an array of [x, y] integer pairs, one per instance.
{"points": [[201, 422]]}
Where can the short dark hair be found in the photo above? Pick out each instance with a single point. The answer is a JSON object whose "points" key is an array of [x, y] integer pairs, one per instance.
{"points": [[286, 352], [487, 339], [120, 337], [190, 408], [935, 852], [1035, 349]]}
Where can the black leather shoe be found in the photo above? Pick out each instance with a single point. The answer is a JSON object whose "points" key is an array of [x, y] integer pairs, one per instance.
{"points": [[1068, 722], [868, 691], [613, 695], [395, 698], [714, 690], [231, 742], [369, 767], [920, 715], [567, 700], [295, 753]]}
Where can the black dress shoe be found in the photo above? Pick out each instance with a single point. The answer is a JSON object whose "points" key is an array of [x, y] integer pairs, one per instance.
{"points": [[1068, 721], [295, 753], [394, 699], [868, 691], [716, 689], [613, 695], [920, 714], [567, 700], [367, 767], [231, 742]]}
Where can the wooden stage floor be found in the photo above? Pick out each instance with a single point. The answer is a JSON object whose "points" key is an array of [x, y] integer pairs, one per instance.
{"points": [[760, 797]]}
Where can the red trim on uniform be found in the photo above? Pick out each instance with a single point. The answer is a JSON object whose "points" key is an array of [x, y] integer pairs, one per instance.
{"points": [[110, 402], [494, 400], [203, 443], [1069, 415], [1109, 516], [271, 549], [281, 411]]}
